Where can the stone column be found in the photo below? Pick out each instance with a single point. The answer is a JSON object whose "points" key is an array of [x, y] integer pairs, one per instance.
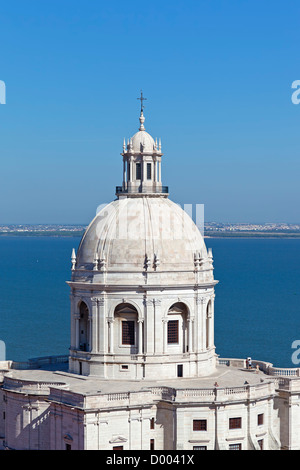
{"points": [[95, 324], [129, 172], [205, 334], [90, 332], [159, 170], [207, 345], [102, 328], [158, 329], [111, 335], [77, 318], [144, 170], [190, 334], [211, 322], [201, 323], [165, 335], [131, 169], [130, 179], [149, 326], [73, 322], [140, 348]]}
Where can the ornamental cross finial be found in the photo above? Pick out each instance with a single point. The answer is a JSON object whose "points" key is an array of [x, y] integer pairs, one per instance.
{"points": [[141, 100]]}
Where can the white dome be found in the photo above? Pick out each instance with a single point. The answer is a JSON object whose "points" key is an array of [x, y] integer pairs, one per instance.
{"points": [[128, 231], [143, 142]]}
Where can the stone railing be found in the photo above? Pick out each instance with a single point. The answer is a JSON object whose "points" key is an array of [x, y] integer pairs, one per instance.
{"points": [[232, 362], [30, 387], [118, 396], [152, 189], [289, 372], [213, 393], [39, 362], [266, 367]]}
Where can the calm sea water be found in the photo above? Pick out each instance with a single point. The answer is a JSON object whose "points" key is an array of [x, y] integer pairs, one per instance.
{"points": [[257, 307]]}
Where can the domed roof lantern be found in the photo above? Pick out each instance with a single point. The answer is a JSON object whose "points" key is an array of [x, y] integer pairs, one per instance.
{"points": [[142, 163]]}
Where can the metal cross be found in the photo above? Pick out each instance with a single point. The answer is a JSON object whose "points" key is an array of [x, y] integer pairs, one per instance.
{"points": [[141, 100]]}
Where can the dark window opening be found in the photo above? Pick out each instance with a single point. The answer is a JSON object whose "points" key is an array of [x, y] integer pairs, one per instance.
{"points": [[261, 444], [138, 171], [180, 370], [148, 171], [152, 445], [128, 333], [260, 419], [235, 446], [199, 425], [235, 423], [173, 332]]}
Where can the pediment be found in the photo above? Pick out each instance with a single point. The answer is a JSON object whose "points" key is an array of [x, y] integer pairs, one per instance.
{"points": [[175, 310], [126, 310]]}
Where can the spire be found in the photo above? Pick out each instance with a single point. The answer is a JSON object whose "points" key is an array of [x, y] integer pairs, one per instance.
{"points": [[73, 259], [142, 118], [141, 100]]}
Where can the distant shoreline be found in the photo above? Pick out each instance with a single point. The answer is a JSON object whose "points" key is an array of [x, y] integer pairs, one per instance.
{"points": [[253, 235], [41, 234], [228, 235]]}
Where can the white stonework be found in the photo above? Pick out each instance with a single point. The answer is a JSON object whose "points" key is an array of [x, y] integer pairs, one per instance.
{"points": [[142, 262], [142, 373]]}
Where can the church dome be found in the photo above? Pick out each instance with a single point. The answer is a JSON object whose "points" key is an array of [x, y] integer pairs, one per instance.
{"points": [[130, 233], [143, 142], [142, 281]]}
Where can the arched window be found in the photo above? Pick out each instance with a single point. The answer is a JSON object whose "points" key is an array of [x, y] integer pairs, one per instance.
{"points": [[208, 323], [177, 327], [126, 335]]}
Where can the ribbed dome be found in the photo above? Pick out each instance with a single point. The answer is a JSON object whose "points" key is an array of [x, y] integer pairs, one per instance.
{"points": [[143, 142], [129, 232]]}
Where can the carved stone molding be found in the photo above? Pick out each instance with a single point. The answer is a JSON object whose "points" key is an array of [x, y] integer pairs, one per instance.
{"points": [[200, 300], [98, 300]]}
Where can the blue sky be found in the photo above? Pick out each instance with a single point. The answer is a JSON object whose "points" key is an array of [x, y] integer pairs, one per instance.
{"points": [[217, 75]]}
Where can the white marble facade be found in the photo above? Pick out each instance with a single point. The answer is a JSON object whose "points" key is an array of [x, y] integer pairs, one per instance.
{"points": [[143, 373]]}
